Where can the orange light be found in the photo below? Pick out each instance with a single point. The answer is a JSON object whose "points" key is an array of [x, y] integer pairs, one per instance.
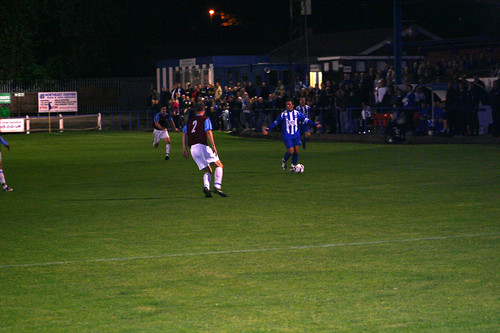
{"points": [[211, 12]]}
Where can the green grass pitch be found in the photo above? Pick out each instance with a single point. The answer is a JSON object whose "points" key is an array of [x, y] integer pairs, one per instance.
{"points": [[102, 235]]}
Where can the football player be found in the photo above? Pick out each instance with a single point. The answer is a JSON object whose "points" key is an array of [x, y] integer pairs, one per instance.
{"points": [[197, 134], [2, 177], [289, 120], [160, 131]]}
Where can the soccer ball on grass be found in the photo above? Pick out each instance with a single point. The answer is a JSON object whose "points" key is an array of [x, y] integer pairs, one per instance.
{"points": [[299, 168]]}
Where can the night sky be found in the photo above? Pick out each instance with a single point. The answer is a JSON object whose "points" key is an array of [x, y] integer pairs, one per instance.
{"points": [[259, 26], [53, 38]]}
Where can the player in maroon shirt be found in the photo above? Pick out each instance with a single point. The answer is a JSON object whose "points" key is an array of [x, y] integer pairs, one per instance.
{"points": [[196, 134]]}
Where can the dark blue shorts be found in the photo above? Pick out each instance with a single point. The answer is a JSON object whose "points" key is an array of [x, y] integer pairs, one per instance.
{"points": [[304, 128], [289, 143]]}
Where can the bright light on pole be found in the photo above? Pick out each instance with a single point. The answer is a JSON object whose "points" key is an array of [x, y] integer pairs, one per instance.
{"points": [[211, 12]]}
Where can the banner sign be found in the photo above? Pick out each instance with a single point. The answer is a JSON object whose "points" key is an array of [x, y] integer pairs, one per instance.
{"points": [[58, 101], [5, 98], [10, 125], [190, 62]]}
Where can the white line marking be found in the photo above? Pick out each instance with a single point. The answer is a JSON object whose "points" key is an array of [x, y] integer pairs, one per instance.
{"points": [[196, 254]]}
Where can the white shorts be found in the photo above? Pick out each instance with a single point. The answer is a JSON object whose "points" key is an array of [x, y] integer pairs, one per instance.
{"points": [[203, 155], [159, 135]]}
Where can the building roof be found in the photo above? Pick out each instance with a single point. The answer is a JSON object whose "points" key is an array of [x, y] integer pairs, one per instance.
{"points": [[216, 60], [348, 43]]}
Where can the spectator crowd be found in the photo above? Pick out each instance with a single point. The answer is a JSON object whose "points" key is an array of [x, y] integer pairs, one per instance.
{"points": [[361, 102]]}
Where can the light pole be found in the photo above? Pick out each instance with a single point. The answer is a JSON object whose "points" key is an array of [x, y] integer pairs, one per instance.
{"points": [[211, 12]]}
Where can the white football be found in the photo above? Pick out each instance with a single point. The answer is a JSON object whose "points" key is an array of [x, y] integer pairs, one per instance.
{"points": [[299, 168]]}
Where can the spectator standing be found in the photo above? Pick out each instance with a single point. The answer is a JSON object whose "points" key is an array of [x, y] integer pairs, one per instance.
{"points": [[323, 112], [211, 90], [204, 90], [154, 99], [423, 116], [259, 113], [264, 90], [397, 98], [379, 93], [177, 90], [175, 107], [371, 78], [365, 87], [378, 101], [280, 100], [450, 108], [342, 113], [388, 97], [280, 89], [195, 93], [461, 101], [410, 104], [252, 92], [270, 104], [476, 95], [494, 99], [164, 97], [218, 92], [440, 124], [211, 111], [346, 81], [189, 90], [472, 109], [366, 118], [224, 117], [315, 91], [246, 106], [185, 107], [299, 85], [235, 113]]}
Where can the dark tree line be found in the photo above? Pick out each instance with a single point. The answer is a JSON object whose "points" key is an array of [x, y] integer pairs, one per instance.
{"points": [[45, 39], [57, 39], [66, 39]]}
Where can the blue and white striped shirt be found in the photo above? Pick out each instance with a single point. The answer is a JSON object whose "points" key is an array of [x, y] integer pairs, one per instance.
{"points": [[289, 121], [306, 110]]}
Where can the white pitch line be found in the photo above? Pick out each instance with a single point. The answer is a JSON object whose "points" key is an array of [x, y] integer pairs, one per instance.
{"points": [[290, 248]]}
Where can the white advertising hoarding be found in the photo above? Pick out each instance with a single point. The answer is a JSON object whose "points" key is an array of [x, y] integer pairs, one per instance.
{"points": [[55, 102], [10, 125]]}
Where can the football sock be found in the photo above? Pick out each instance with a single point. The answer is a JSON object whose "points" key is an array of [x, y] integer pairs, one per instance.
{"points": [[206, 179], [287, 156], [295, 158], [168, 149], [2, 178], [218, 178]]}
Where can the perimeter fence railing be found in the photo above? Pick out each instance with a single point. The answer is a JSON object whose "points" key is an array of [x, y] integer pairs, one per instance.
{"points": [[334, 120]]}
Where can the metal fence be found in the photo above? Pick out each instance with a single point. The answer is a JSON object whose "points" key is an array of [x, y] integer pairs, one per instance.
{"points": [[334, 120], [137, 120], [94, 94]]}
